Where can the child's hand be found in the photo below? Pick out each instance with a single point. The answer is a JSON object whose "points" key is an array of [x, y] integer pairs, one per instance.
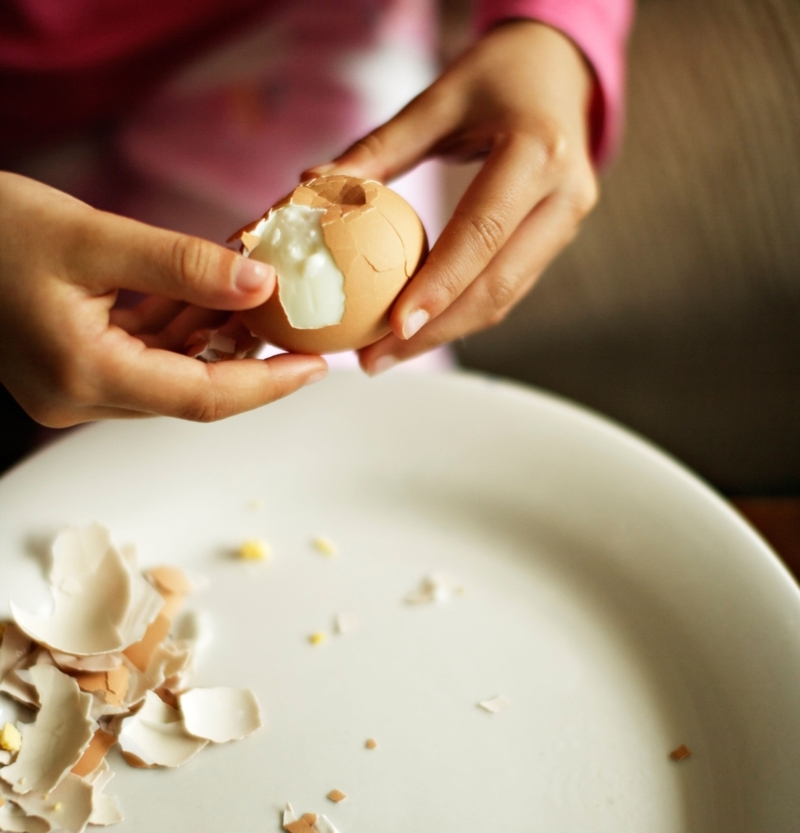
{"points": [[67, 358], [520, 98]]}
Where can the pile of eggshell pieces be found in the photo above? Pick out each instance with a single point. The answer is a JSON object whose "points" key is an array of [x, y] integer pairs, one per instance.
{"points": [[102, 668]]}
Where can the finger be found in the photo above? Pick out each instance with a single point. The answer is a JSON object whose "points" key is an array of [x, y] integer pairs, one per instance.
{"points": [[399, 144], [109, 252], [161, 382], [538, 239], [174, 335], [150, 316], [515, 177]]}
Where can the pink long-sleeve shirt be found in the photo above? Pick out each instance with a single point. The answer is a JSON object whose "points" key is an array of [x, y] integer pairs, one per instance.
{"points": [[70, 65]]}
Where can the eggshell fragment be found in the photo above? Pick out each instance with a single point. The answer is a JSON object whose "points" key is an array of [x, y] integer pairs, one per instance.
{"points": [[55, 742], [376, 240], [344, 623], [68, 806], [437, 587], [101, 604], [95, 753], [496, 704], [336, 796], [220, 714], [371, 743], [99, 662], [13, 819], [14, 648], [156, 736], [289, 815], [681, 753], [105, 809]]}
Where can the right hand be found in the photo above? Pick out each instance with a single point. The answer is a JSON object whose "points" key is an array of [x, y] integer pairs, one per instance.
{"points": [[68, 357]]}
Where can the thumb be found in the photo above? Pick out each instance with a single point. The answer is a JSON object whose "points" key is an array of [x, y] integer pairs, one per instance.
{"points": [[396, 146], [126, 254]]}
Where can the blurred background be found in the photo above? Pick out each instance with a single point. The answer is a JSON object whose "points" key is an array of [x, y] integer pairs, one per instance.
{"points": [[675, 312]]}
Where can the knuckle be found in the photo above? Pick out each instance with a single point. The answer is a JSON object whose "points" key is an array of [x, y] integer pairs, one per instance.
{"points": [[372, 146], [550, 146], [486, 231], [502, 290], [583, 197], [192, 258]]}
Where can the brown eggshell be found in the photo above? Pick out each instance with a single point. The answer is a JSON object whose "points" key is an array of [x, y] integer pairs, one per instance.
{"points": [[377, 241]]}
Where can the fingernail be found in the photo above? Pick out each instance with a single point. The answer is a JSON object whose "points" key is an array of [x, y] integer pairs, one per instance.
{"points": [[381, 365], [316, 377], [415, 322], [250, 275]]}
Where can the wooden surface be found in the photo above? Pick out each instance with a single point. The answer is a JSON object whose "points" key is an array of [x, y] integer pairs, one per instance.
{"points": [[778, 521]]}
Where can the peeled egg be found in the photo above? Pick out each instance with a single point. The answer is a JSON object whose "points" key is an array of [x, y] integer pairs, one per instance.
{"points": [[343, 249]]}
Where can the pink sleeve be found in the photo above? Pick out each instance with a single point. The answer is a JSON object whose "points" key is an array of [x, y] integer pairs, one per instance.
{"points": [[600, 29]]}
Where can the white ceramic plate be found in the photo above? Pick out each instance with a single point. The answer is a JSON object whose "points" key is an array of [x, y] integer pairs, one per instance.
{"points": [[619, 604]]}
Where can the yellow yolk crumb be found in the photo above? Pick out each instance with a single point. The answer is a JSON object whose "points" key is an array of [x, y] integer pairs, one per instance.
{"points": [[324, 545], [57, 806], [254, 549], [10, 738], [317, 638]]}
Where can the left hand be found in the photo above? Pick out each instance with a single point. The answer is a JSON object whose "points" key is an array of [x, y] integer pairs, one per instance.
{"points": [[520, 98]]}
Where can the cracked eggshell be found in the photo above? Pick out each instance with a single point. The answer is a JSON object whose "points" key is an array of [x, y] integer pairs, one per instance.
{"points": [[101, 603], [156, 736], [377, 241], [220, 714], [55, 742]]}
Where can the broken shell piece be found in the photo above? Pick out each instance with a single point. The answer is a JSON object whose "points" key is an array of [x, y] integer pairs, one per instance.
{"points": [[68, 806], [156, 736], [437, 587], [13, 819], [336, 796], [140, 653], [681, 753], [15, 647], [496, 704], [343, 249], [105, 809], [289, 815], [55, 742], [99, 662], [210, 346], [323, 545], [101, 604], [371, 743], [309, 818], [171, 579], [95, 753], [254, 549], [345, 623], [220, 714]]}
